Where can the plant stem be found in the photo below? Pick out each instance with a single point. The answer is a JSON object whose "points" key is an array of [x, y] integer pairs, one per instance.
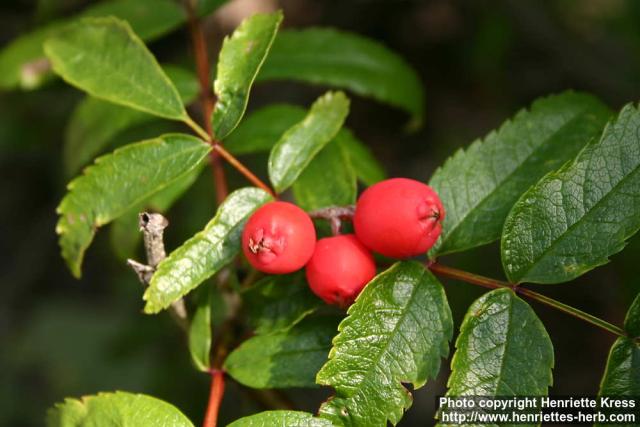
{"points": [[242, 168], [215, 398], [454, 273], [207, 98]]}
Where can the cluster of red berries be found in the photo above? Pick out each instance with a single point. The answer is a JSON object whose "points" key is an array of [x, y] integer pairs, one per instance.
{"points": [[398, 218]]}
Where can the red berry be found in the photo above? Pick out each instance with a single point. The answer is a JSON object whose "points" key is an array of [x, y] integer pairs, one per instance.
{"points": [[279, 238], [399, 218], [339, 268]]}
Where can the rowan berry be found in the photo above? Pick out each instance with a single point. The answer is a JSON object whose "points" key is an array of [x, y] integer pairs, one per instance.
{"points": [[279, 238], [399, 218], [339, 269]]}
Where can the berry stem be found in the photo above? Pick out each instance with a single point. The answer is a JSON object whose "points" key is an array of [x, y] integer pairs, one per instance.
{"points": [[335, 215], [475, 279]]}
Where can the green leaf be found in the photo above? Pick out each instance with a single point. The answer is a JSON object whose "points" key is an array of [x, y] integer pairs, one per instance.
{"points": [[622, 375], [573, 219], [329, 57], [148, 18], [204, 254], [300, 143], [281, 418], [94, 123], [123, 234], [479, 185], [116, 409], [200, 329], [632, 321], [105, 58], [240, 59], [331, 167], [260, 130], [367, 168], [116, 183], [502, 350], [288, 358], [396, 332], [278, 302]]}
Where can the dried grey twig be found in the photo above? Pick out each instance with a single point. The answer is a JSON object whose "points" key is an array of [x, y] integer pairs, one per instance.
{"points": [[152, 226]]}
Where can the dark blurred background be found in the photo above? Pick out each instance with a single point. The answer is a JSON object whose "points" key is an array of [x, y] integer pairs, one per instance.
{"points": [[480, 61]]}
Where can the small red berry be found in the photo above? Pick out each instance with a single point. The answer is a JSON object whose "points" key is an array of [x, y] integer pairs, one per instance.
{"points": [[339, 268], [399, 218], [279, 238]]}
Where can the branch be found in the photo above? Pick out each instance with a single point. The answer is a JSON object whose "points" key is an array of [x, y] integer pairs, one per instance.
{"points": [[474, 279], [152, 226], [215, 398], [335, 215]]}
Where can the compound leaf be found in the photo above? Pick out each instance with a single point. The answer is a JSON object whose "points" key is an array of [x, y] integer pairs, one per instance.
{"points": [[240, 59], [479, 185], [288, 358], [204, 254], [118, 409], [105, 58], [301, 142], [329, 57], [94, 122], [278, 302], [281, 418], [396, 332], [502, 350], [21, 61], [116, 183], [573, 219]]}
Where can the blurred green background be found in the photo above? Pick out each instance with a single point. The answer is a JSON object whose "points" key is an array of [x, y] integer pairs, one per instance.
{"points": [[480, 61]]}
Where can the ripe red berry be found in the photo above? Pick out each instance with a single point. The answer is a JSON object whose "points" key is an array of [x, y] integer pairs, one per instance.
{"points": [[279, 238], [399, 218], [339, 268]]}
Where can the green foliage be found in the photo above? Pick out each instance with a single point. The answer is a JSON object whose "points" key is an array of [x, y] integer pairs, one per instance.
{"points": [[105, 58], [301, 142], [200, 329], [286, 358], [365, 165], [240, 60], [331, 167], [118, 182], [502, 350], [260, 131], [573, 219], [204, 254], [94, 122], [278, 302], [396, 332], [123, 236], [148, 18], [330, 57], [632, 320], [479, 185], [281, 418], [116, 409]]}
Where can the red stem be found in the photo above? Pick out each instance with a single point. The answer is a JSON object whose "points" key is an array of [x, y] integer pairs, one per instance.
{"points": [[215, 398], [474, 279]]}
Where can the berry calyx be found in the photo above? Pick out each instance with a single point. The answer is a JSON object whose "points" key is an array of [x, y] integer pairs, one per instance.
{"points": [[339, 269], [399, 218], [279, 238]]}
